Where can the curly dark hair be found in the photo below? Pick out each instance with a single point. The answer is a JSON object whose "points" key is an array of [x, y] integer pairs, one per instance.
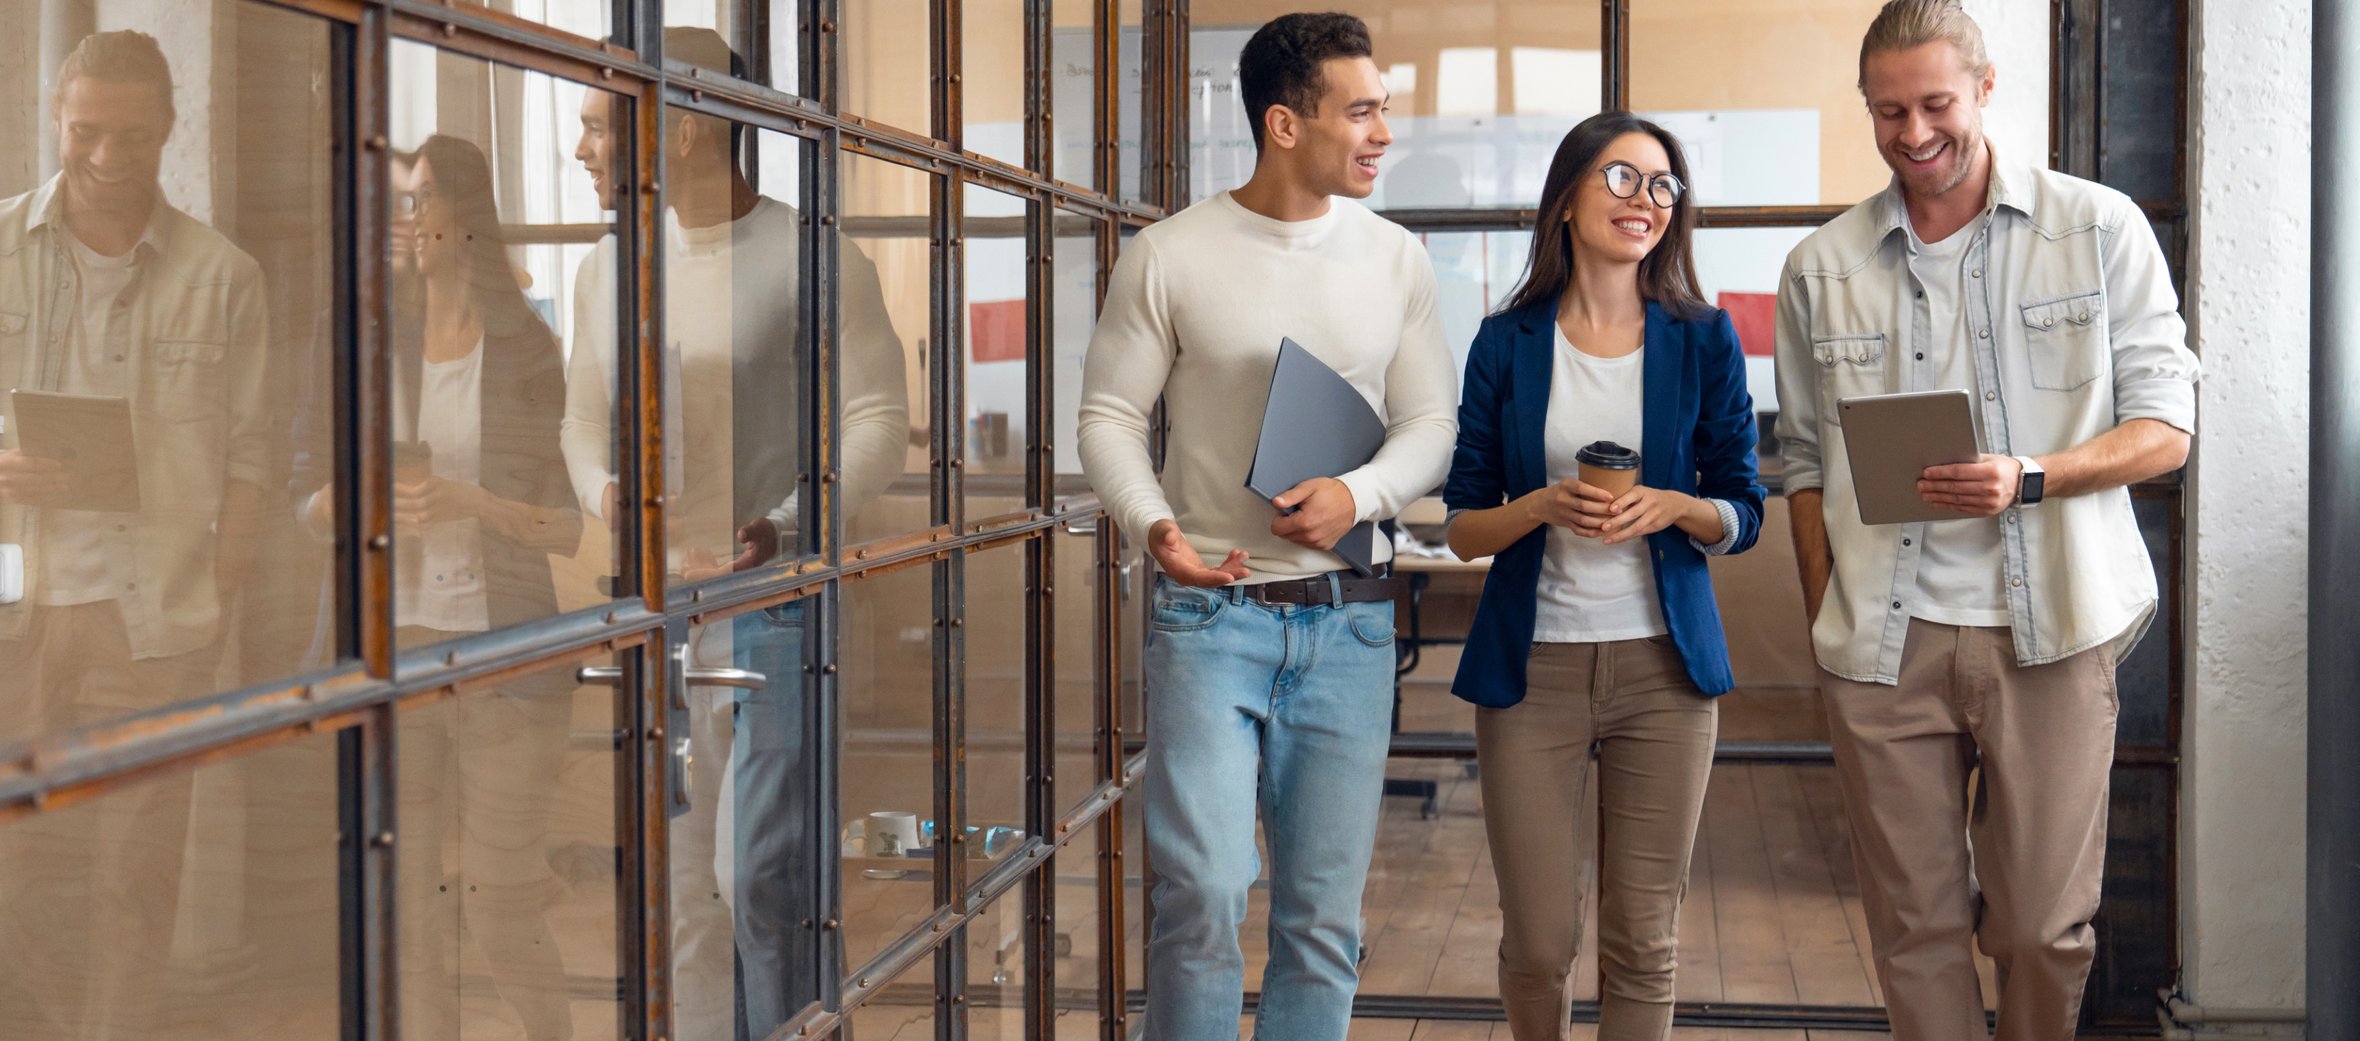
{"points": [[1280, 65]]}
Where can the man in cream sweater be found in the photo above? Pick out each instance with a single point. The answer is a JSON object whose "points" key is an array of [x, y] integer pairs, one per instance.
{"points": [[1270, 662]]}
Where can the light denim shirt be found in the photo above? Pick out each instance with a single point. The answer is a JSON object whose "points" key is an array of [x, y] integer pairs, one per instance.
{"points": [[195, 367], [2076, 330]]}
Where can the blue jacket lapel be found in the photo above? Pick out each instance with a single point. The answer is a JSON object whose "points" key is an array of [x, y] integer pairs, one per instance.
{"points": [[1532, 368], [1661, 365]]}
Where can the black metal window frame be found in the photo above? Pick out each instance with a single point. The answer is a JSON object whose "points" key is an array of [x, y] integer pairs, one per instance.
{"points": [[358, 697]]}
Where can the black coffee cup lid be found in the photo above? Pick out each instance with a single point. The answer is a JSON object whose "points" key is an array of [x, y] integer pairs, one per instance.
{"points": [[1609, 455]]}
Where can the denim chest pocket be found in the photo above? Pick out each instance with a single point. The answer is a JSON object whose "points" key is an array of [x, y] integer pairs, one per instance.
{"points": [[1180, 609], [1850, 365], [186, 380], [2066, 340]]}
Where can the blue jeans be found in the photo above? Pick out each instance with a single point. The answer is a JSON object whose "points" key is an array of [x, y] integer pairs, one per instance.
{"points": [[770, 761], [1284, 708]]}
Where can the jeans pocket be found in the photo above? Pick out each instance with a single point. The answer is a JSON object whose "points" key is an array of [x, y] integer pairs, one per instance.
{"points": [[1180, 609], [1371, 622]]}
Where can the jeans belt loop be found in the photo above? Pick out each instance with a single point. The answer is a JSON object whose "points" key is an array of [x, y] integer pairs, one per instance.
{"points": [[1237, 594], [1335, 590]]}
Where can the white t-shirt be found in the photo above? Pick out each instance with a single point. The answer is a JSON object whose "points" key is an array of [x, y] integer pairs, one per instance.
{"points": [[440, 583], [1194, 316], [86, 556], [1959, 567], [1591, 592]]}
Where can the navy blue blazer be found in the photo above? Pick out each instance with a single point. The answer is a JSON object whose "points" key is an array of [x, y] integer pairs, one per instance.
{"points": [[1698, 436]]}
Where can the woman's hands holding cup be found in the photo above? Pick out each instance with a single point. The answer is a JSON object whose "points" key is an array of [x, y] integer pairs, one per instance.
{"points": [[1593, 512]]}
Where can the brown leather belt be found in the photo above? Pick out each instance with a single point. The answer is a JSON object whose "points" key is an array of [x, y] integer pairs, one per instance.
{"points": [[1348, 587]]}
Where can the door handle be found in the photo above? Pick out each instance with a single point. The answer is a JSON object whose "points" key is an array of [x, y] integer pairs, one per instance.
{"points": [[599, 675], [742, 679]]}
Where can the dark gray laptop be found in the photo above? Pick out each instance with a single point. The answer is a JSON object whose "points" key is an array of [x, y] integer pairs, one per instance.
{"points": [[1316, 425]]}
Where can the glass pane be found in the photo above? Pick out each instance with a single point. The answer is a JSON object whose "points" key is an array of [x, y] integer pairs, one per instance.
{"points": [[1074, 296], [1737, 268], [196, 905], [902, 1011], [505, 864], [997, 634], [1741, 84], [886, 52], [1476, 113], [885, 315], [885, 768], [738, 363], [503, 262], [1080, 955], [1074, 601], [995, 970], [1131, 100], [744, 883], [1073, 89], [991, 45], [757, 40], [586, 18], [1474, 271], [1136, 876], [164, 425], [999, 337]]}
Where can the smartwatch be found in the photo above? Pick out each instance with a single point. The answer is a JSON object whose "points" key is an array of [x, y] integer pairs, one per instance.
{"points": [[2029, 487]]}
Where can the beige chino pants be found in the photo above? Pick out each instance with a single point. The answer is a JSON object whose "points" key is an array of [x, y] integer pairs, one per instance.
{"points": [[2013, 863], [1630, 706]]}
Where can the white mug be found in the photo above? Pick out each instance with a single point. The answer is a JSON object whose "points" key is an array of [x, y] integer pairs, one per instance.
{"points": [[892, 833]]}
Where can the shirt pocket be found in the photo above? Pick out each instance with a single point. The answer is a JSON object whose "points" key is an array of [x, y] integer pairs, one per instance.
{"points": [[186, 382], [1850, 365], [2065, 339]]}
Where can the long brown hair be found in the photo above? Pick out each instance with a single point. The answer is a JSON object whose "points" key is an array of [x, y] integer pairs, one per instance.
{"points": [[1667, 276]]}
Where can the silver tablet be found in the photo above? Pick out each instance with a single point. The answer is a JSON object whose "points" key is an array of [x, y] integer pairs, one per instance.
{"points": [[1892, 438]]}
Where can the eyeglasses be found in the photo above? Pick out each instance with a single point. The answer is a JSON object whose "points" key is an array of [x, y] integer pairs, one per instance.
{"points": [[407, 204], [1623, 180]]}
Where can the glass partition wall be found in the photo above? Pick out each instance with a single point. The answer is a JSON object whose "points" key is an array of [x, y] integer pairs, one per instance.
{"points": [[556, 446]]}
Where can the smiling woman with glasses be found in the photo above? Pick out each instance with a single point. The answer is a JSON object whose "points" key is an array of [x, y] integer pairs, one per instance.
{"points": [[1597, 626]]}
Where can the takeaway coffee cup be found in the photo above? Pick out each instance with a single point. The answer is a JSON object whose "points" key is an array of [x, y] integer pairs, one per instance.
{"points": [[1604, 464]]}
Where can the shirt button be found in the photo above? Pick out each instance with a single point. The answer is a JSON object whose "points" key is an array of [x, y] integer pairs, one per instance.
{"points": [[2082, 317], [2011, 516], [2046, 322], [1896, 605], [1977, 273], [1983, 334], [1905, 542], [2015, 581], [1921, 355], [1991, 395]]}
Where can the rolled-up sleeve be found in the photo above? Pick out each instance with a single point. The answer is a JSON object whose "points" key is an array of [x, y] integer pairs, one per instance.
{"points": [[2154, 371]]}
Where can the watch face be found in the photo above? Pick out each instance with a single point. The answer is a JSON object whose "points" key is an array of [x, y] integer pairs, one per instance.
{"points": [[2033, 482]]}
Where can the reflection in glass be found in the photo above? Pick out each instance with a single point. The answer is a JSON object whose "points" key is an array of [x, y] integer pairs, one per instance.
{"points": [[186, 905], [167, 298], [487, 533], [1135, 876], [884, 313], [1073, 91], [505, 863], [1079, 955], [1134, 582], [1074, 298], [991, 98], [1474, 271], [766, 36], [738, 364], [1476, 110], [744, 871], [885, 56], [1073, 688], [999, 335], [996, 635], [996, 980], [885, 766]]}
